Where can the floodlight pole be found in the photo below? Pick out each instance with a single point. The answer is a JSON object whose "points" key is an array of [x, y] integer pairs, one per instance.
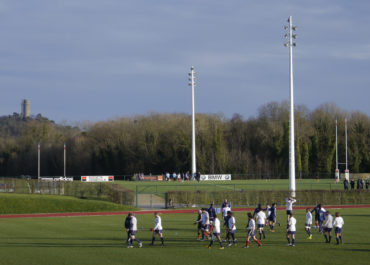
{"points": [[290, 44], [336, 150], [65, 156], [193, 152], [345, 125], [38, 160]]}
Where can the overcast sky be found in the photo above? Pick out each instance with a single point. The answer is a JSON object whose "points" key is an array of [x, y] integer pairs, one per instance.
{"points": [[98, 59]]}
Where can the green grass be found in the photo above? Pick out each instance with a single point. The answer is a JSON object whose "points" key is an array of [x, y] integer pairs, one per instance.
{"points": [[100, 240], [234, 185], [31, 203]]}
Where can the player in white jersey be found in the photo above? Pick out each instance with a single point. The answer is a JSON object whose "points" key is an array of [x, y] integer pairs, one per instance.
{"points": [[204, 220], [216, 232], [225, 210], [261, 221], [338, 225], [231, 228], [133, 230], [289, 205], [158, 229], [291, 230], [251, 229], [308, 223], [328, 227]]}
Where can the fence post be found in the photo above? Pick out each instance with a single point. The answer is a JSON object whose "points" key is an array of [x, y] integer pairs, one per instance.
{"points": [[137, 197], [234, 187]]}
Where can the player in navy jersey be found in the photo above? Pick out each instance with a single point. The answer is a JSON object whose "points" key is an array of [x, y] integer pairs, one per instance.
{"points": [[199, 224], [316, 210], [212, 212], [272, 217], [127, 226], [257, 210]]}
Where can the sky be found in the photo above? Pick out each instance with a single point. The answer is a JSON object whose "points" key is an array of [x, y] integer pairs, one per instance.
{"points": [[93, 60]]}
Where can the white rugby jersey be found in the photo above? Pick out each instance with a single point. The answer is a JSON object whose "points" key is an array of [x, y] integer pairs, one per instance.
{"points": [[338, 222], [328, 223], [216, 226], [225, 210], [158, 223], [251, 224], [292, 223], [205, 218], [231, 224], [133, 223], [289, 204], [268, 211], [261, 218], [309, 218]]}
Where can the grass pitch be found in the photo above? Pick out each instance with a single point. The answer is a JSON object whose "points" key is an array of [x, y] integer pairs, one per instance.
{"points": [[101, 240]]}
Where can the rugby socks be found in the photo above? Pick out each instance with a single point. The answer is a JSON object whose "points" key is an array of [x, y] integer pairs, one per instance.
{"points": [[211, 242], [308, 232], [337, 240], [293, 241], [329, 239], [259, 243], [198, 237], [326, 239], [288, 240], [260, 235], [247, 243], [340, 238], [162, 240], [153, 239], [263, 233], [137, 240], [233, 236]]}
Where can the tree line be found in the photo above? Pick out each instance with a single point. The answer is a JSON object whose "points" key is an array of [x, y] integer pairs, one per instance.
{"points": [[155, 143]]}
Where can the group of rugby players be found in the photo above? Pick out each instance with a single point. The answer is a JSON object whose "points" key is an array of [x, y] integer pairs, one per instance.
{"points": [[209, 225]]}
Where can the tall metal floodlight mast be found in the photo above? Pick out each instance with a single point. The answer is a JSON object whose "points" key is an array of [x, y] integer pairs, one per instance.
{"points": [[336, 150], [193, 156], [65, 156], [290, 36], [346, 173], [38, 160]]}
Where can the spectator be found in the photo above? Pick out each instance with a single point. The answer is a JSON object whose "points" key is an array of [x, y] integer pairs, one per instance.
{"points": [[367, 184], [197, 176], [345, 183], [167, 176], [352, 184], [187, 175], [174, 176], [358, 183]]}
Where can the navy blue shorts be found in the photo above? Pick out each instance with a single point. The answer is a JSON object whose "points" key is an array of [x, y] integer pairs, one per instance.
{"points": [[216, 234], [199, 225], [132, 232], [251, 233], [289, 212], [338, 230], [326, 229], [291, 232], [272, 219], [157, 231], [260, 226]]}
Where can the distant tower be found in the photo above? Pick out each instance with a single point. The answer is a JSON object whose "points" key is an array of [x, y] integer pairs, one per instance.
{"points": [[26, 108]]}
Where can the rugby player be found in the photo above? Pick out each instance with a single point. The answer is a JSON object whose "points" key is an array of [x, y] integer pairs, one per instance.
{"points": [[272, 217], [216, 232], [289, 206], [132, 231], [212, 212], [232, 228], [158, 229], [308, 223], [261, 220], [127, 226], [328, 227], [338, 225], [199, 223], [251, 229], [291, 230]]}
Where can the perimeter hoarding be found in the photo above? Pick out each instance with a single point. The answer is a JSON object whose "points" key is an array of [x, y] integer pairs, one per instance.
{"points": [[97, 178], [215, 177]]}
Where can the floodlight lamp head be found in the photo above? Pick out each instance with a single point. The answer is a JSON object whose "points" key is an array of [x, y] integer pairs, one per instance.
{"points": [[286, 36], [192, 68], [294, 44], [294, 36], [294, 28], [286, 27], [286, 44]]}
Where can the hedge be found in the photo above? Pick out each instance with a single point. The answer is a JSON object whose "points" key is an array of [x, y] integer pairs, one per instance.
{"points": [[247, 198]]}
